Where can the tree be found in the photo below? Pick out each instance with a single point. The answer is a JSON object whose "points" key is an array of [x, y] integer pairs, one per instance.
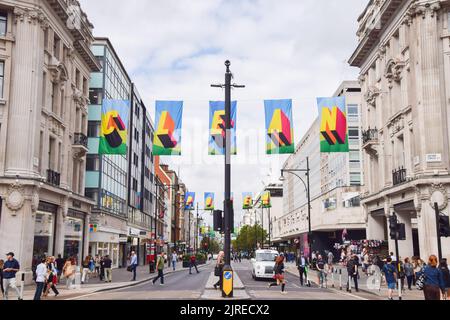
{"points": [[209, 245], [247, 238]]}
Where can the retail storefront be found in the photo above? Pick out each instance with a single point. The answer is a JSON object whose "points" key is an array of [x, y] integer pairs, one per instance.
{"points": [[106, 241], [74, 227], [44, 232], [139, 242]]}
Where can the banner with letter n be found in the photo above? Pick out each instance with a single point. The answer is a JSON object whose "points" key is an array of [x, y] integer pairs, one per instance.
{"points": [[333, 125], [247, 202], [279, 127], [167, 137], [216, 145], [114, 127], [209, 201], [189, 201]]}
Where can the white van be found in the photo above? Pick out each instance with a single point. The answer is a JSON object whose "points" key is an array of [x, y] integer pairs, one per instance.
{"points": [[263, 263]]}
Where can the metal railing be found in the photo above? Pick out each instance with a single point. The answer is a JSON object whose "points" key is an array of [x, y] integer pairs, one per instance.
{"points": [[370, 135], [80, 139], [399, 176], [53, 177]]}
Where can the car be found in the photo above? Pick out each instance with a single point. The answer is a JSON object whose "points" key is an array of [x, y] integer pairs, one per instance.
{"points": [[263, 263]]}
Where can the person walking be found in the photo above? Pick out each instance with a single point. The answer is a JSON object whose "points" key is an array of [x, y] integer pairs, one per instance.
{"points": [[2, 263], [418, 266], [301, 266], [10, 268], [69, 272], [134, 263], [279, 274], [52, 277], [193, 263], [102, 268], [390, 273], [174, 260], [160, 266], [218, 270], [59, 266], [443, 266], [85, 270], [97, 267], [41, 277], [352, 270], [107, 263], [321, 268], [409, 272], [434, 280]]}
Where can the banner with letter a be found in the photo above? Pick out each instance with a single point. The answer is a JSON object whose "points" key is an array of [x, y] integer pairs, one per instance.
{"points": [[114, 133], [217, 128], [333, 125], [209, 201], [167, 137], [189, 202], [247, 202], [279, 127]]}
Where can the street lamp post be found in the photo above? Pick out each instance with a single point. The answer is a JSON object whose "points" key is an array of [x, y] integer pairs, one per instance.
{"points": [[228, 272], [308, 192]]}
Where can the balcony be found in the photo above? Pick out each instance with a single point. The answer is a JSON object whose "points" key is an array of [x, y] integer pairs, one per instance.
{"points": [[370, 140], [80, 142], [53, 177], [399, 176]]}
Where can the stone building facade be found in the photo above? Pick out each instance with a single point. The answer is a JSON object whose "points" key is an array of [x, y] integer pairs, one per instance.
{"points": [[404, 57], [46, 59]]}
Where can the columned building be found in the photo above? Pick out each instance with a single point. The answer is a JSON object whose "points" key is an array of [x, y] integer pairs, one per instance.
{"points": [[404, 57], [45, 66]]}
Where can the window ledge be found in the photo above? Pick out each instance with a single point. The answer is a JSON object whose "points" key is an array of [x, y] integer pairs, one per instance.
{"points": [[2, 102]]}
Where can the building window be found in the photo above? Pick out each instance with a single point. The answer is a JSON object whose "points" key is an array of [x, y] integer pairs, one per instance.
{"points": [[96, 96], [2, 77], [3, 23], [355, 179], [93, 129], [92, 162]]}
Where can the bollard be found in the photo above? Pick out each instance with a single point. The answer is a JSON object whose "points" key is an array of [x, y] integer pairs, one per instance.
{"points": [[332, 278], [399, 289], [22, 284], [340, 279], [349, 284]]}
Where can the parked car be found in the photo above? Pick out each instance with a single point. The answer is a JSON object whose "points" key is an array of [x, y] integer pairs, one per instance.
{"points": [[263, 263]]}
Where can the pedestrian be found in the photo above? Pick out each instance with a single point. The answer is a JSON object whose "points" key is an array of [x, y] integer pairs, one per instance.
{"points": [[366, 260], [91, 265], [330, 258], [443, 266], [52, 277], [301, 266], [193, 263], [218, 270], [102, 268], [174, 260], [107, 268], [390, 273], [279, 274], [160, 266], [59, 266], [409, 272], [393, 257], [401, 274], [41, 277], [85, 270], [69, 272], [240, 257], [133, 264], [97, 267], [10, 268], [321, 268], [2, 263], [434, 280], [352, 270]]}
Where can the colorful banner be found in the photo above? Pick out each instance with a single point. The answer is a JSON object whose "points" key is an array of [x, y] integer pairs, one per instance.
{"points": [[265, 200], [114, 133], [333, 125], [247, 202], [167, 137], [209, 201], [217, 128], [189, 201], [279, 127]]}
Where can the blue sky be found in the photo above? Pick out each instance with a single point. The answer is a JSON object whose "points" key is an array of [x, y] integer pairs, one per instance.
{"points": [[280, 49]]}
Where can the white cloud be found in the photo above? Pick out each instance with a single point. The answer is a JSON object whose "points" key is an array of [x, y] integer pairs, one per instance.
{"points": [[175, 49]]}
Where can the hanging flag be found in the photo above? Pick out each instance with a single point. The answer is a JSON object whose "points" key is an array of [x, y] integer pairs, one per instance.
{"points": [[217, 128], [189, 203], [114, 133], [209, 201], [167, 137], [247, 202], [333, 125], [265, 200], [279, 127]]}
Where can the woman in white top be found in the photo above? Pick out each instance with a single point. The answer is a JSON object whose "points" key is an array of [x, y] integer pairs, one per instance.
{"points": [[41, 277]]}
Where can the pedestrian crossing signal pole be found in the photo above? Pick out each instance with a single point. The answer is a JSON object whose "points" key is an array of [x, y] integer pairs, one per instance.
{"points": [[394, 233], [227, 276]]}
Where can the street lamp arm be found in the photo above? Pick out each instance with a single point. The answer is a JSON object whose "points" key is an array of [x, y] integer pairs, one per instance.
{"points": [[293, 172]]}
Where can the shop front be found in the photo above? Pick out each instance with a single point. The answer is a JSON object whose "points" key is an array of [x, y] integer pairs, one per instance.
{"points": [[74, 227], [106, 242], [44, 232]]}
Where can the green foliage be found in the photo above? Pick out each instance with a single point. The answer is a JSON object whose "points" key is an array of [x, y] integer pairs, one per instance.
{"points": [[248, 237], [210, 245]]}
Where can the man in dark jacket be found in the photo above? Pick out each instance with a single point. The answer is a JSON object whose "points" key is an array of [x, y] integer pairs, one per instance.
{"points": [[10, 268], [59, 265], [352, 270], [107, 267]]}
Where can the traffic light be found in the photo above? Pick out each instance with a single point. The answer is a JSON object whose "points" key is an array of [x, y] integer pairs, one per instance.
{"points": [[444, 226], [393, 227], [218, 220], [401, 228]]}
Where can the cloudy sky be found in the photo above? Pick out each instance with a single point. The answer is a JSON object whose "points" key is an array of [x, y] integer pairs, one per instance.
{"points": [[174, 49]]}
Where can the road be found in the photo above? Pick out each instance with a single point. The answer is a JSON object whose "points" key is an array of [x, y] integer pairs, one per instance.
{"points": [[182, 285]]}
